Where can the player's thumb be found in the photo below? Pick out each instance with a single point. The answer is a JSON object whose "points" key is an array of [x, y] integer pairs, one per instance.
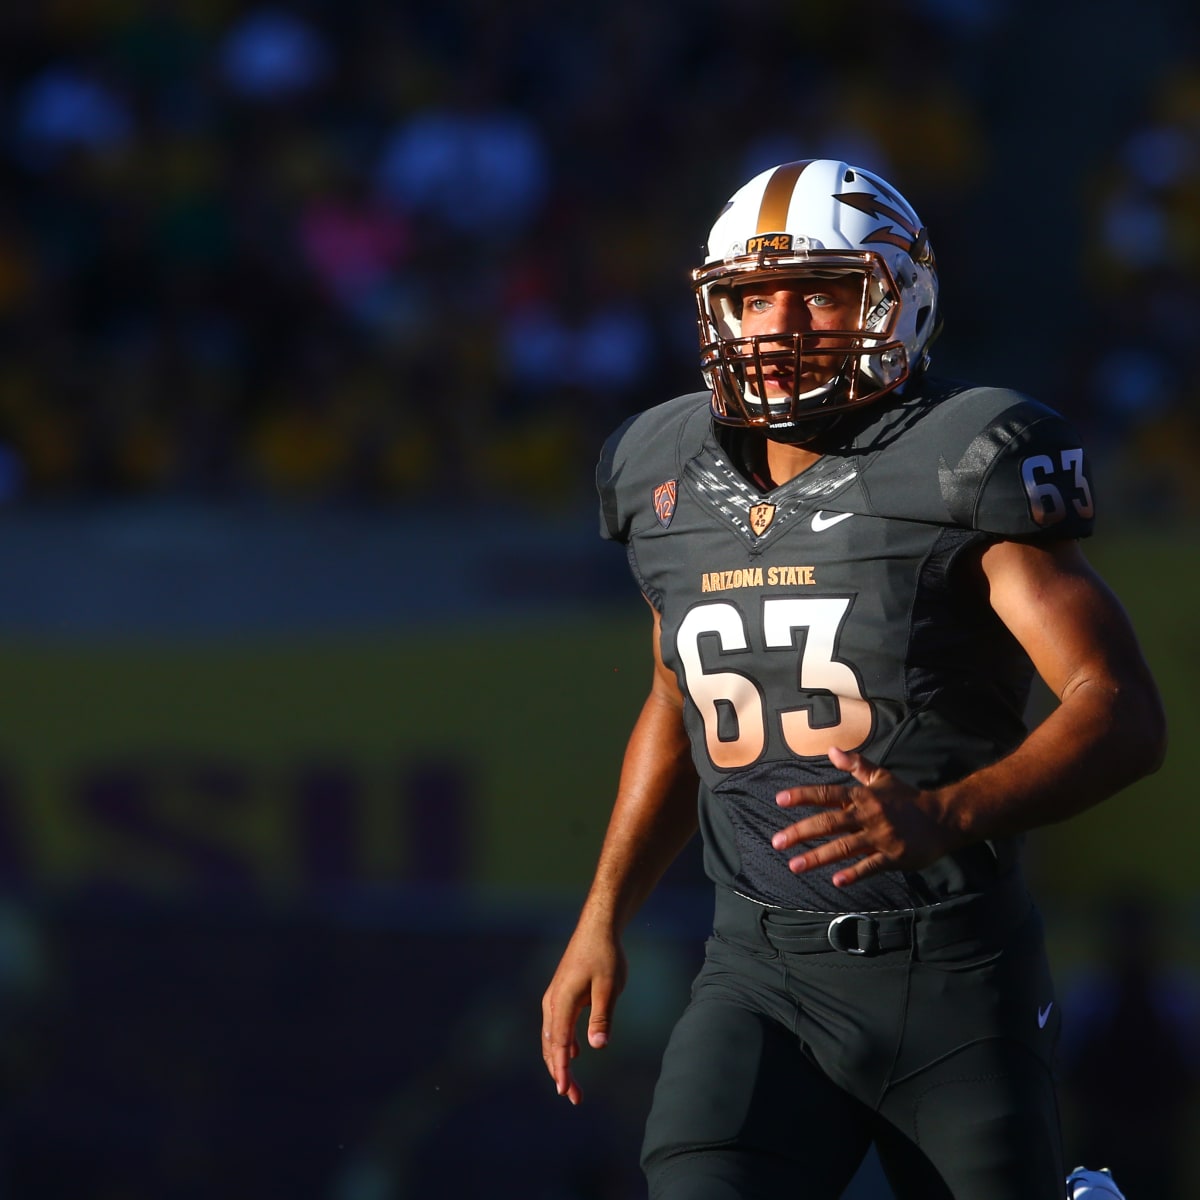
{"points": [[599, 1021], [855, 764]]}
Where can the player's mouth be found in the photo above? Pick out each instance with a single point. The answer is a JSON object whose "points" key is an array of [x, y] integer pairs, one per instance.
{"points": [[775, 379], [787, 383]]}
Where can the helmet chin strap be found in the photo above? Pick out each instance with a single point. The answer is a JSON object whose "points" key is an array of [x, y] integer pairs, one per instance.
{"points": [[817, 418], [818, 427], [803, 432], [823, 390]]}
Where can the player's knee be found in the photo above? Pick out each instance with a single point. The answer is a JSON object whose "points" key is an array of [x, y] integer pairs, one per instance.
{"points": [[710, 1175]]}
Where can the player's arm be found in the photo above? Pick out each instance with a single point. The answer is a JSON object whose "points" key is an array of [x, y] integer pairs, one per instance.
{"points": [[652, 820], [1107, 731]]}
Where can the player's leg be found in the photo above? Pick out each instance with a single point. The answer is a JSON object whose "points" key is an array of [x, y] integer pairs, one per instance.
{"points": [[740, 1112], [983, 1125], [972, 1107]]}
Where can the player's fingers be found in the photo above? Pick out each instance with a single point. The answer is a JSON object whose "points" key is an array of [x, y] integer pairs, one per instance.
{"points": [[559, 1043], [830, 795], [557, 1058], [819, 825], [556, 1053], [824, 795], [836, 850], [863, 869]]}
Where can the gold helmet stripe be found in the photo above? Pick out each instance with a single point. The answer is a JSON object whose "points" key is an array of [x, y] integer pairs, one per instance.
{"points": [[777, 198]]}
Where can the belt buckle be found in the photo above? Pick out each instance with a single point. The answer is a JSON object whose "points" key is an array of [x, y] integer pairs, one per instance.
{"points": [[865, 933]]}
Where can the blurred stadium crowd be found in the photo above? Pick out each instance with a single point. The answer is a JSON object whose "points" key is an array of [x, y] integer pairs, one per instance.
{"points": [[389, 254], [388, 251]]}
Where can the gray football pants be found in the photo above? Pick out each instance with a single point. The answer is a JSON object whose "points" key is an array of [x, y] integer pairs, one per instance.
{"points": [[788, 1063]]}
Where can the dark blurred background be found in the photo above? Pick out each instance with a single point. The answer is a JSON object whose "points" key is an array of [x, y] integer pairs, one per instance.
{"points": [[313, 316]]}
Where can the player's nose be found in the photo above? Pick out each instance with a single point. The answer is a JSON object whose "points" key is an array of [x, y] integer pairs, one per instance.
{"points": [[790, 315]]}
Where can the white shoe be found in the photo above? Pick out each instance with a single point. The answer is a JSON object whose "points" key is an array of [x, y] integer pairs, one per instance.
{"points": [[1083, 1184]]}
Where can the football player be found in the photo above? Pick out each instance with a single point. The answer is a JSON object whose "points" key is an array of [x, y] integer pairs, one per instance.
{"points": [[853, 570]]}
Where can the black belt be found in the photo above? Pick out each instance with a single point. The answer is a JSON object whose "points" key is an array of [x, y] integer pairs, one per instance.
{"points": [[933, 927]]}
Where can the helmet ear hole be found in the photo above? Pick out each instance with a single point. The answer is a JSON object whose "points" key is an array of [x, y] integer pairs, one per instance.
{"points": [[728, 298], [725, 306], [923, 316]]}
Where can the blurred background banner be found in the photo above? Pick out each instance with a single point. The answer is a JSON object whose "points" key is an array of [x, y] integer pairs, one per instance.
{"points": [[212, 706], [316, 672], [302, 708]]}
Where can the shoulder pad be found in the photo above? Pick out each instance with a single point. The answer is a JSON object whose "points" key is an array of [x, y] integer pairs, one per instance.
{"points": [[1011, 466], [645, 453]]}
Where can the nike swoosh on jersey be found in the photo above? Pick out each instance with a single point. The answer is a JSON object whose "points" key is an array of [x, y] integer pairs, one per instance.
{"points": [[820, 521], [1044, 1014]]}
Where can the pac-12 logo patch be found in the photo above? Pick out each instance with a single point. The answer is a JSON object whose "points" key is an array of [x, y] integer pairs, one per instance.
{"points": [[761, 515], [664, 501]]}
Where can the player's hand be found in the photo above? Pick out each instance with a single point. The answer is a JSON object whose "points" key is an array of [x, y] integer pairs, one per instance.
{"points": [[885, 824], [592, 974]]}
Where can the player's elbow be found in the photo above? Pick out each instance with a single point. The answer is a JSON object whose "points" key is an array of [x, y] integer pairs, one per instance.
{"points": [[1157, 738], [1128, 725], [1143, 723]]}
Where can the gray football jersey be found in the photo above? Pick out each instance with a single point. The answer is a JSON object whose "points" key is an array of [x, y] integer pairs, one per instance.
{"points": [[830, 610]]}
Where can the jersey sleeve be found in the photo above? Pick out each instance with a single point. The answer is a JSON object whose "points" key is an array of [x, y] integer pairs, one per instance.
{"points": [[643, 456], [616, 515], [1018, 470]]}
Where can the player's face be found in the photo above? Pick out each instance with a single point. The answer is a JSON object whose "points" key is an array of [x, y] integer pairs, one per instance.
{"points": [[800, 306]]}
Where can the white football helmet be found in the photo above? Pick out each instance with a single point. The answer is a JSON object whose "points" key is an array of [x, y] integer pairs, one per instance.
{"points": [[819, 218], [1083, 1184]]}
